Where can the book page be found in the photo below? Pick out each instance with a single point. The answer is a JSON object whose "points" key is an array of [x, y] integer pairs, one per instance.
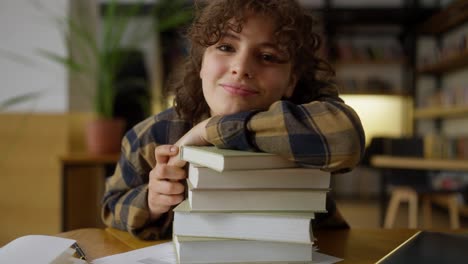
{"points": [[34, 249], [158, 254], [165, 254]]}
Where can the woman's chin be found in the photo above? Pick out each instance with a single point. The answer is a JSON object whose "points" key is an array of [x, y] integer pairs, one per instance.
{"points": [[230, 111]]}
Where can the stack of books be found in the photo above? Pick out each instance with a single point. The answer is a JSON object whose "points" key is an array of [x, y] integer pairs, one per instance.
{"points": [[247, 207]]}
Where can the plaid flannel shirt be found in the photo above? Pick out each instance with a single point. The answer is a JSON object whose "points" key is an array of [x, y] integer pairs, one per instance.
{"points": [[325, 134]]}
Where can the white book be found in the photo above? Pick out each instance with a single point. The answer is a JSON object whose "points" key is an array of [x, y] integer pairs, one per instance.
{"points": [[227, 159], [290, 227], [216, 250], [257, 199], [40, 249], [206, 178]]}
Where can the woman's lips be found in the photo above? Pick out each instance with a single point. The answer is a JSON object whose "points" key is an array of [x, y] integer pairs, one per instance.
{"points": [[238, 89]]}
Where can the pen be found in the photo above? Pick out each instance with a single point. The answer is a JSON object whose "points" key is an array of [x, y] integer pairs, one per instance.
{"points": [[80, 253]]}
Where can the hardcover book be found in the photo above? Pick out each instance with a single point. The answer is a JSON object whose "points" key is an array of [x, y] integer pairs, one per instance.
{"points": [[227, 159], [290, 227], [257, 199], [218, 250], [288, 178]]}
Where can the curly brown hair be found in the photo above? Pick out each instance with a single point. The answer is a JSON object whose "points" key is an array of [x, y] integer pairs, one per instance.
{"points": [[294, 31]]}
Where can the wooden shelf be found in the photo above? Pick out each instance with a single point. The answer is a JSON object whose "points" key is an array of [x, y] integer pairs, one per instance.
{"points": [[390, 62], [394, 162], [437, 112], [373, 92], [453, 15], [450, 64]]}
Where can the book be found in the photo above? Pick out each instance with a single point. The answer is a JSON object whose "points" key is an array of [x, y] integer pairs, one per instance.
{"points": [[219, 250], [206, 178], [42, 249], [430, 247], [291, 227], [257, 199], [228, 159]]}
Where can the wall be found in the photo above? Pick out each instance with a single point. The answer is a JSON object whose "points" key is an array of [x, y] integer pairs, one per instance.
{"points": [[26, 27]]}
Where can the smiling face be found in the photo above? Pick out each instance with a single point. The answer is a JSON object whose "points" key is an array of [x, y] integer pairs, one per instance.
{"points": [[246, 70]]}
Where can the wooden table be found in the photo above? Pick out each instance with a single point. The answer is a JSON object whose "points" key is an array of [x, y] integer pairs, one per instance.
{"points": [[357, 246]]}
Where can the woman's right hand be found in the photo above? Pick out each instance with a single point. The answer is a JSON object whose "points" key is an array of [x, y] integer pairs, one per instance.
{"points": [[165, 187]]}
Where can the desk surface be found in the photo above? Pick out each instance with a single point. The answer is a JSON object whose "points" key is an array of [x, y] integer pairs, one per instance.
{"points": [[356, 246], [393, 162]]}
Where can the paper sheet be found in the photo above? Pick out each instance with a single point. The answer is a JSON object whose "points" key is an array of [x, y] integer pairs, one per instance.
{"points": [[165, 254], [158, 254]]}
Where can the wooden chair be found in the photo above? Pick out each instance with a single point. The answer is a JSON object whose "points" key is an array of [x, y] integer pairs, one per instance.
{"points": [[411, 185], [407, 194]]}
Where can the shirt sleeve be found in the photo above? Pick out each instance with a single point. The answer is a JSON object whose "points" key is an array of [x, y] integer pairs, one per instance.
{"points": [[325, 134]]}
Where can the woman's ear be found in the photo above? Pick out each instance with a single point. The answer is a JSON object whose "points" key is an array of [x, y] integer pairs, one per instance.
{"points": [[291, 86]]}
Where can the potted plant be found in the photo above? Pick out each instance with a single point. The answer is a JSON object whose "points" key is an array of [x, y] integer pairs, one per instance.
{"points": [[104, 133]]}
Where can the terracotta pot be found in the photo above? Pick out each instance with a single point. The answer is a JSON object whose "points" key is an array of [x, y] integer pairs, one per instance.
{"points": [[103, 136]]}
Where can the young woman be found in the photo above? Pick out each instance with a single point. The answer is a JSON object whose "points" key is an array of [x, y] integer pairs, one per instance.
{"points": [[253, 81]]}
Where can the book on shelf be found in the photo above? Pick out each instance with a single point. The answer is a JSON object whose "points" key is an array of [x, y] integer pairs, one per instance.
{"points": [[42, 249], [228, 159], [206, 178], [219, 250], [257, 199], [293, 227]]}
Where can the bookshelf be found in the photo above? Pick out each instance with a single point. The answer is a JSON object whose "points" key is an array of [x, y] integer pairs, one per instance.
{"points": [[370, 45], [441, 107], [447, 101], [372, 39], [452, 63], [449, 18]]}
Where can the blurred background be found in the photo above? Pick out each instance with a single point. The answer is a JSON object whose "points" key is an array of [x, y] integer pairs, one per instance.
{"points": [[69, 68]]}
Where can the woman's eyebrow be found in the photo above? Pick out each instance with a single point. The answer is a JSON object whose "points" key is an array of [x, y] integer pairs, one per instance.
{"points": [[230, 35], [266, 44]]}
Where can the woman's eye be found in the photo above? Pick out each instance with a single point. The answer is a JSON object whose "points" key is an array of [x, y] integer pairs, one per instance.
{"points": [[269, 57], [225, 48]]}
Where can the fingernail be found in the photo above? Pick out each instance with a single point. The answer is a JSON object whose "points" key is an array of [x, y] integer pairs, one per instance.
{"points": [[173, 149]]}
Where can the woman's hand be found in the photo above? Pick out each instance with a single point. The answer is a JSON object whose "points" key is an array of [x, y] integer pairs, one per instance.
{"points": [[194, 137], [165, 187]]}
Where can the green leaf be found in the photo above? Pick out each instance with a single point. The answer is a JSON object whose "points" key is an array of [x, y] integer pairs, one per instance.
{"points": [[19, 99], [68, 62], [18, 58]]}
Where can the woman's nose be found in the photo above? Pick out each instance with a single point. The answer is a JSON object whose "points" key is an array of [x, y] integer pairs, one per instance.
{"points": [[242, 66]]}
